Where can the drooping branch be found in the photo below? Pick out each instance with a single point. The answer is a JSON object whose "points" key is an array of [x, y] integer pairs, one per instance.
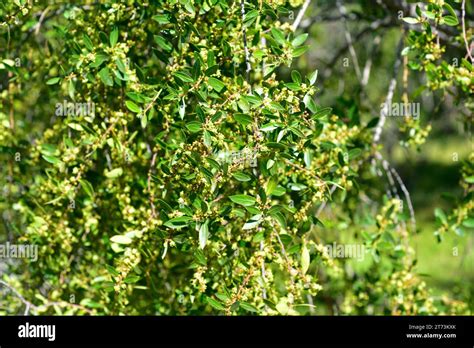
{"points": [[248, 68], [300, 16], [392, 173], [390, 93], [347, 34], [29, 305], [463, 19]]}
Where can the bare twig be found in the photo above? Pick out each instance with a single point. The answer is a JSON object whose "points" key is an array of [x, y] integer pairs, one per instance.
{"points": [[392, 173], [407, 197], [390, 93], [248, 68], [27, 304], [463, 15], [264, 292], [347, 34], [152, 204], [368, 63], [37, 26], [374, 26], [300, 16]]}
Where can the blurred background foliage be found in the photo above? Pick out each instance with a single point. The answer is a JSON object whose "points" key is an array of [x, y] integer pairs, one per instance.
{"points": [[431, 171]]}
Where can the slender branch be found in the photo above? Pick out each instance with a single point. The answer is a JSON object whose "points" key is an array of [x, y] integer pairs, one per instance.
{"points": [[264, 292], [152, 204], [374, 26], [392, 173], [407, 197], [37, 27], [390, 93], [248, 68], [368, 63], [468, 48], [347, 34], [29, 305], [300, 16], [20, 296]]}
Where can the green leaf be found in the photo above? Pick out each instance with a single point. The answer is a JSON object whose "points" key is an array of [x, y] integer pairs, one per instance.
{"points": [[131, 279], [296, 76], [114, 37], [250, 17], [133, 107], [243, 119], [121, 66], [355, 153], [469, 179], [162, 18], [143, 120], [430, 14], [245, 200], [271, 185], [87, 42], [241, 176], [75, 126], [9, 62], [300, 51], [313, 77], [451, 20], [53, 81], [251, 224], [87, 187], [120, 239], [114, 173], [51, 159], [207, 138], [299, 40], [163, 43], [441, 216], [203, 234], [322, 113], [194, 126], [178, 222], [48, 149], [215, 304], [305, 259], [222, 297], [112, 270], [99, 59], [278, 36], [71, 89], [448, 8], [279, 191], [248, 307], [183, 76], [282, 308], [410, 20], [218, 85], [106, 78], [469, 223]]}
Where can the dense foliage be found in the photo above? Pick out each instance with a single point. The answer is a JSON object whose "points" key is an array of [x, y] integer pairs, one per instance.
{"points": [[167, 158]]}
